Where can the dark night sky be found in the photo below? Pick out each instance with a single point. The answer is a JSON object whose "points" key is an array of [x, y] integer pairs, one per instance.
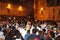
{"points": [[53, 3], [17, 1]]}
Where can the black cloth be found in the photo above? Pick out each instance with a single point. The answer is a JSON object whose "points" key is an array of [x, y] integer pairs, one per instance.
{"points": [[48, 38], [5, 32], [52, 34], [13, 34]]}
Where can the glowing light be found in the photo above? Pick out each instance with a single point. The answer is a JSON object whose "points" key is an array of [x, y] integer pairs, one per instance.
{"points": [[41, 9], [9, 6], [20, 8]]}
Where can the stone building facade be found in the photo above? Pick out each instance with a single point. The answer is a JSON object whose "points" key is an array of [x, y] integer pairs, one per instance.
{"points": [[14, 10], [41, 10], [48, 12]]}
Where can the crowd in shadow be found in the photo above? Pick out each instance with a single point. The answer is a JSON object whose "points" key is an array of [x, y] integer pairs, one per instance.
{"points": [[22, 28]]}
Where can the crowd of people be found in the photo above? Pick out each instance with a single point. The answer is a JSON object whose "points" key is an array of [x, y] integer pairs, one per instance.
{"points": [[29, 30]]}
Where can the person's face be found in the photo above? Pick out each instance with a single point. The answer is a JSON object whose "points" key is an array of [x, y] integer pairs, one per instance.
{"points": [[58, 31]]}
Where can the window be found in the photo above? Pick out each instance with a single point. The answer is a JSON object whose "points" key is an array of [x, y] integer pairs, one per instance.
{"points": [[58, 2], [53, 2]]}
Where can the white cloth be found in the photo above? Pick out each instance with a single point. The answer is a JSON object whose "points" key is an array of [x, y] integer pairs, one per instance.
{"points": [[18, 39], [16, 25], [32, 27], [43, 25], [39, 28], [7, 26], [2, 36], [22, 31], [57, 35]]}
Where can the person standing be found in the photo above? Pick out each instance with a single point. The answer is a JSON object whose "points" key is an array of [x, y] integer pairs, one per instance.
{"points": [[58, 36]]}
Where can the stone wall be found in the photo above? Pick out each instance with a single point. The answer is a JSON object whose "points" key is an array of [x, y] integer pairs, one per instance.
{"points": [[13, 11], [49, 13]]}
